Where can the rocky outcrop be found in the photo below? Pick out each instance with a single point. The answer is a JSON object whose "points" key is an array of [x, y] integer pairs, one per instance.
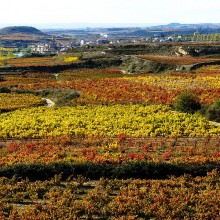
{"points": [[132, 64], [198, 65], [202, 50], [181, 52]]}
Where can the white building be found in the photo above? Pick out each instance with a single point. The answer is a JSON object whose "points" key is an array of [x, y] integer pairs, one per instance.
{"points": [[43, 48]]}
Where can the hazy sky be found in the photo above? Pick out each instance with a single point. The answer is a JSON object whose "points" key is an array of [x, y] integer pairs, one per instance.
{"points": [[29, 12]]}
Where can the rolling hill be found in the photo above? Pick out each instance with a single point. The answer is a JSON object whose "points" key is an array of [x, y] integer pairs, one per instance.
{"points": [[26, 30]]}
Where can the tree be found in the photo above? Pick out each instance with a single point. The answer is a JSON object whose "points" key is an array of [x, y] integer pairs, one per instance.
{"points": [[186, 102], [213, 112]]}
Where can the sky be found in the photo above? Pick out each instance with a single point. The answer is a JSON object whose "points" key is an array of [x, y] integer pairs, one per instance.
{"points": [[51, 13]]}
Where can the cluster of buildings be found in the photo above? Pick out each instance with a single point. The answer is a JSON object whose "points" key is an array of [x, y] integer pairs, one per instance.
{"points": [[55, 46], [60, 46], [95, 42], [49, 47]]}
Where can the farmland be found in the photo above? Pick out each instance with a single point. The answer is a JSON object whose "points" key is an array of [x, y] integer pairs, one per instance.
{"points": [[114, 146], [176, 60], [39, 61]]}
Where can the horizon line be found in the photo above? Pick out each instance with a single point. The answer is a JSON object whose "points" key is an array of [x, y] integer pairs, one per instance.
{"points": [[84, 25]]}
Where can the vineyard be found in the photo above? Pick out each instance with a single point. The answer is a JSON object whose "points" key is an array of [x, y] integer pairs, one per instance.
{"points": [[176, 60], [112, 147], [39, 61], [110, 86], [9, 102], [77, 198], [110, 121]]}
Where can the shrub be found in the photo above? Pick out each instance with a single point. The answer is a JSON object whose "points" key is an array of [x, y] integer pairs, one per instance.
{"points": [[213, 112], [2, 79], [5, 90], [187, 102]]}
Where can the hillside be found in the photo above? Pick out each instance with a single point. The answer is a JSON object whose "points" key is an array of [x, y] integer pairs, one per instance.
{"points": [[20, 30]]}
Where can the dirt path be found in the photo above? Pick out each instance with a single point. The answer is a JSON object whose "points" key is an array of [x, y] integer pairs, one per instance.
{"points": [[214, 123], [50, 103]]}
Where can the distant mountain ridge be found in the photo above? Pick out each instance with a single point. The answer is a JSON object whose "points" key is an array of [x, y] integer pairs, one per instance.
{"points": [[20, 30], [183, 26]]}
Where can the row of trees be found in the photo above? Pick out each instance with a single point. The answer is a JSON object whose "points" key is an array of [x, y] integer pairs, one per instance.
{"points": [[7, 53], [202, 37]]}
